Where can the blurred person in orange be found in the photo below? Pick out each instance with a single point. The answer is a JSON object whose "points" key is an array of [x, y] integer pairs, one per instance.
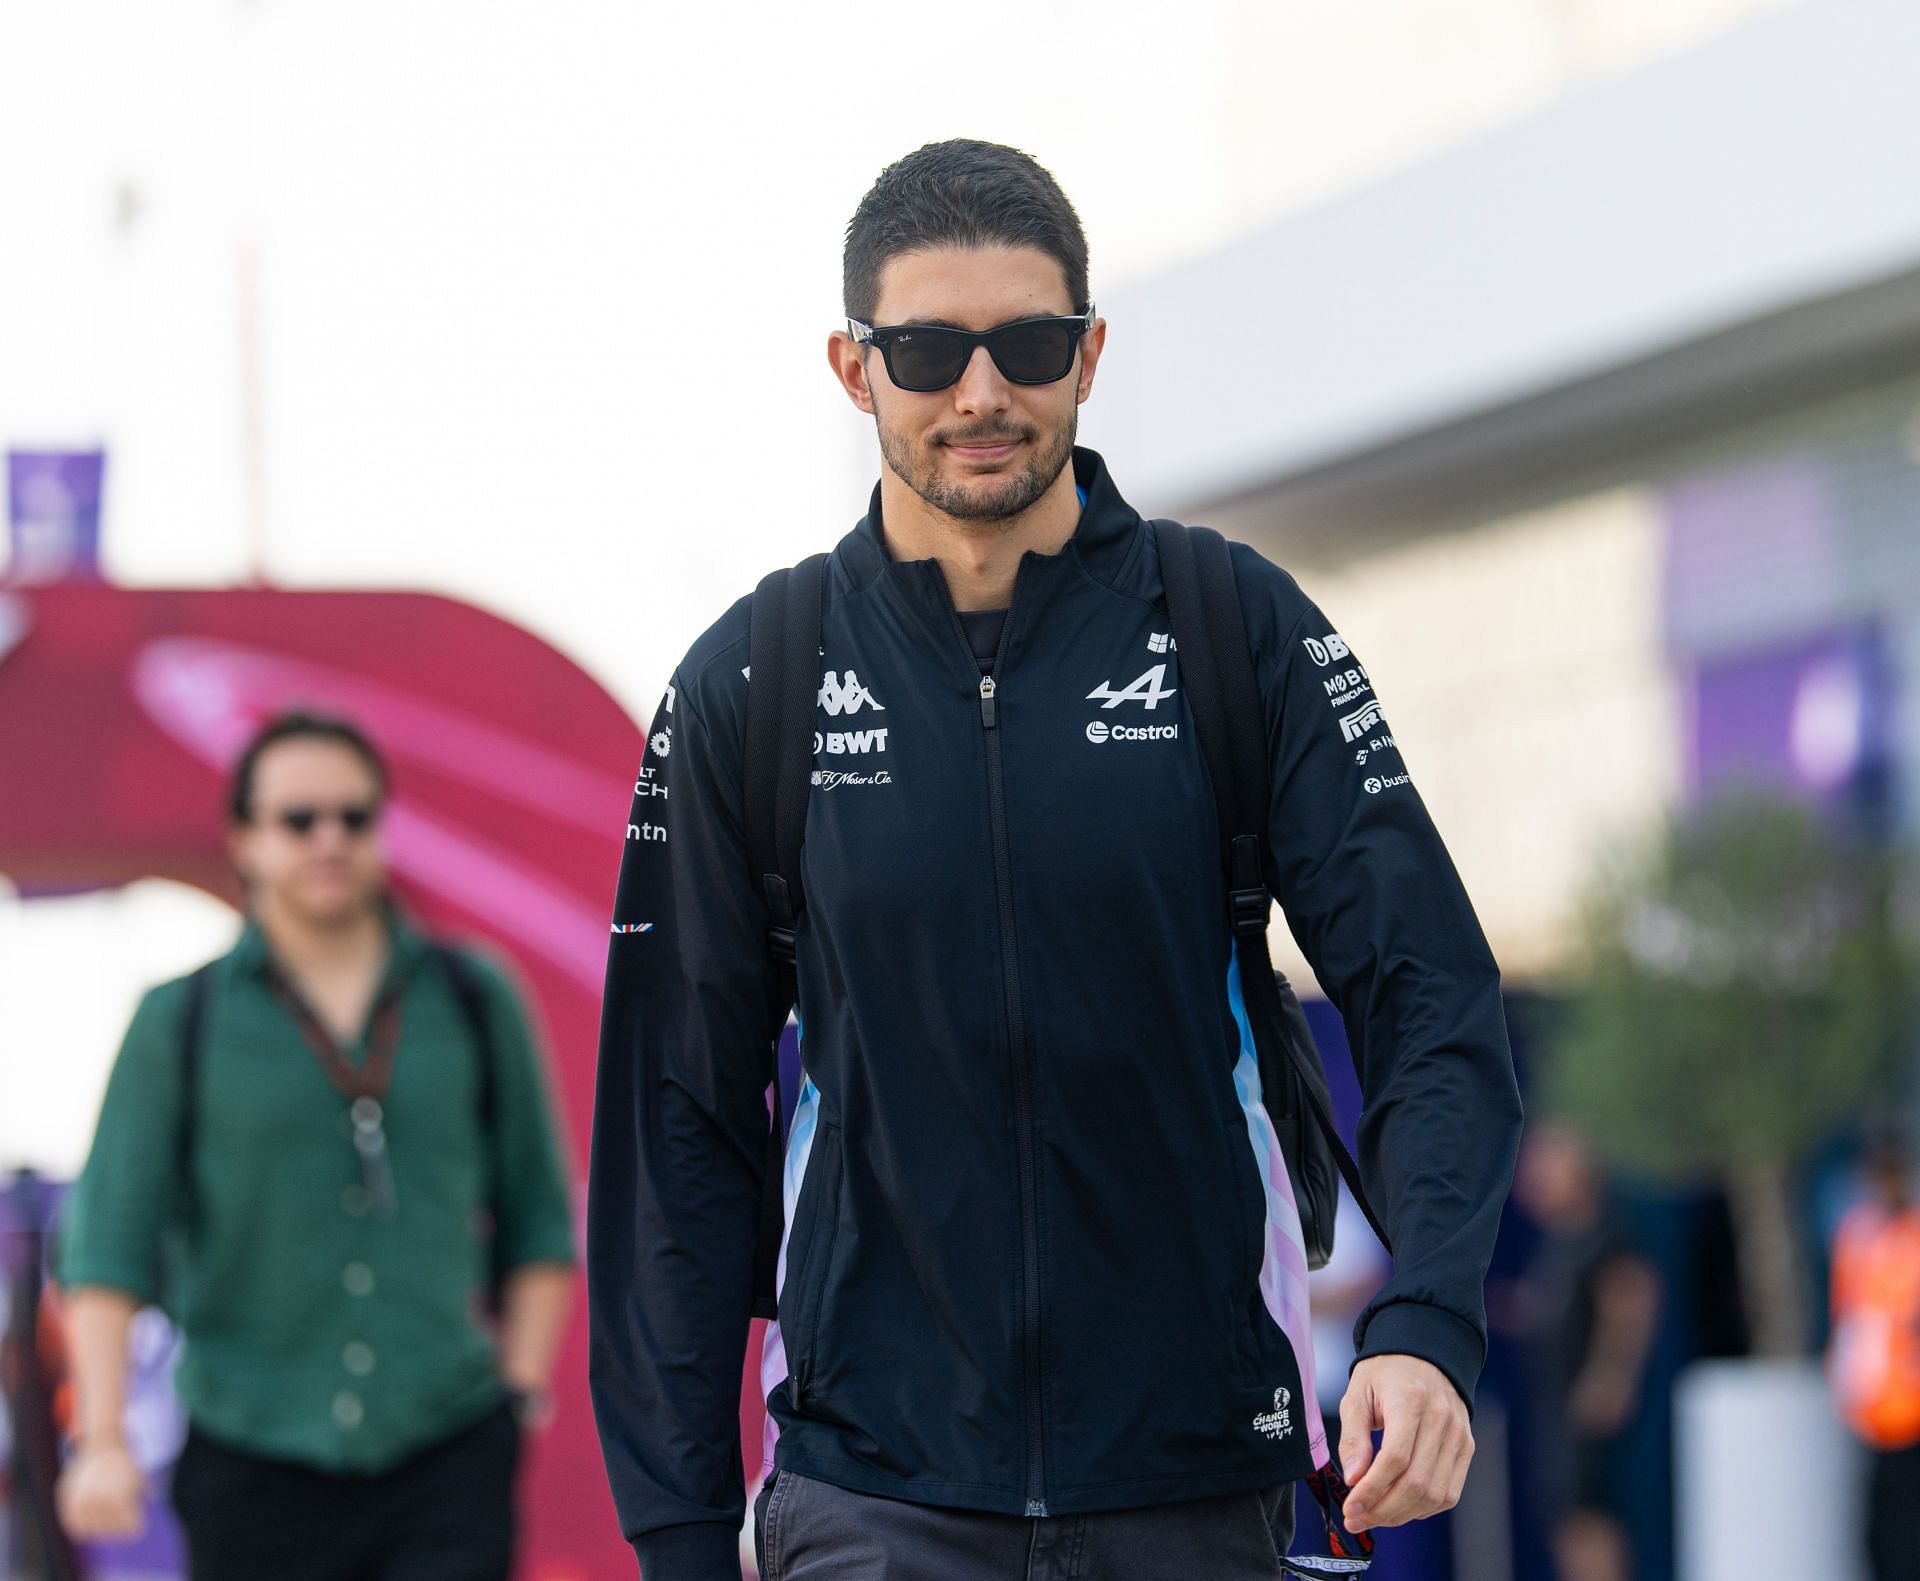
{"points": [[1588, 1305], [1874, 1359], [331, 1153]]}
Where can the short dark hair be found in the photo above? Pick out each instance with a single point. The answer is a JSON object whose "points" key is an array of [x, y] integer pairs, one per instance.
{"points": [[960, 193], [291, 725]]}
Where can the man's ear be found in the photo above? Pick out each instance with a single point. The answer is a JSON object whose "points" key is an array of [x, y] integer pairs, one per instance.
{"points": [[1091, 345], [848, 359], [236, 848]]}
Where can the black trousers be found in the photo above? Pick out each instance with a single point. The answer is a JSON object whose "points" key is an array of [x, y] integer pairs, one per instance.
{"points": [[444, 1515], [808, 1530], [1893, 1514]]}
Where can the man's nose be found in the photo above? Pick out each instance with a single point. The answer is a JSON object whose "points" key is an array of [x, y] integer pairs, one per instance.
{"points": [[982, 388]]}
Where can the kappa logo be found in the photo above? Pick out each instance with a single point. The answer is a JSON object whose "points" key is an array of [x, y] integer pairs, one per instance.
{"points": [[662, 743], [1324, 650], [1146, 688], [848, 696], [1278, 1422]]}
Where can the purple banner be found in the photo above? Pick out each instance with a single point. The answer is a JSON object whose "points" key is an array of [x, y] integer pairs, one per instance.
{"points": [[53, 514], [1810, 717]]}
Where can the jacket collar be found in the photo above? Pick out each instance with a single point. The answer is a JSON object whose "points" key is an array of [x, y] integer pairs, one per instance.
{"points": [[1107, 532]]}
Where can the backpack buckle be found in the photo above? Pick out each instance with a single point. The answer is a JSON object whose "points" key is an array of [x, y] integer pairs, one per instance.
{"points": [[780, 944], [1248, 900], [1250, 909]]}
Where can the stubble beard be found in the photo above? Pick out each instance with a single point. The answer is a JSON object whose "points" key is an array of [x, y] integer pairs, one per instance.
{"points": [[1001, 503]]}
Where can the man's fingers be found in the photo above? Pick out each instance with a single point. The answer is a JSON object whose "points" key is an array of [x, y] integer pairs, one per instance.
{"points": [[1356, 1432], [1462, 1461], [1435, 1476], [1421, 1488], [1402, 1431]]}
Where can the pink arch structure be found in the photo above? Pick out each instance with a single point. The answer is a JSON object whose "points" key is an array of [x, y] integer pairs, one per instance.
{"points": [[120, 711]]}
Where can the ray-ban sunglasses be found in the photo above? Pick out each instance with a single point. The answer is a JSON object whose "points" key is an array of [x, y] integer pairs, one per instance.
{"points": [[927, 357]]}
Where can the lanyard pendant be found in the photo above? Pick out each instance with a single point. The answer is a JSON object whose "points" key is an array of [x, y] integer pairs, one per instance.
{"points": [[370, 1142]]}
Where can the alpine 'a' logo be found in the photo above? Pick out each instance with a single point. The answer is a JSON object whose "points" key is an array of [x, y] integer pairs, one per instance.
{"points": [[1145, 688], [846, 697]]}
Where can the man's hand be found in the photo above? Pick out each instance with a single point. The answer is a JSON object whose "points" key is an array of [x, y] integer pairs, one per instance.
{"points": [[1425, 1448], [102, 1493]]}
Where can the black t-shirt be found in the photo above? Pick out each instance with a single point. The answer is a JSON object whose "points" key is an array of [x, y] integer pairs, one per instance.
{"points": [[983, 628]]}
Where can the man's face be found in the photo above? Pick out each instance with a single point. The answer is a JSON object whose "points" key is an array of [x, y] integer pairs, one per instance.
{"points": [[329, 873], [984, 449]]}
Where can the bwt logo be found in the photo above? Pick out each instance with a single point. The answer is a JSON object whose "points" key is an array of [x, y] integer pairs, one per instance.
{"points": [[1328, 648], [835, 742], [848, 696]]}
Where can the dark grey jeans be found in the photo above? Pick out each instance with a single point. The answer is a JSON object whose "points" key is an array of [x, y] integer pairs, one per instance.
{"points": [[808, 1530]]}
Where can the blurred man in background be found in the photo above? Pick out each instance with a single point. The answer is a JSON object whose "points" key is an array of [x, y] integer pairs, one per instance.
{"points": [[299, 1147], [1875, 1356], [1589, 1305]]}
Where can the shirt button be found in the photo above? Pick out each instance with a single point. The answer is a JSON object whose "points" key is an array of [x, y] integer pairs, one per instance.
{"points": [[358, 1278], [354, 1200], [347, 1410], [358, 1358]]}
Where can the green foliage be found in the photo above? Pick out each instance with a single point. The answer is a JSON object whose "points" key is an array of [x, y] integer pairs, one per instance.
{"points": [[1744, 990]]}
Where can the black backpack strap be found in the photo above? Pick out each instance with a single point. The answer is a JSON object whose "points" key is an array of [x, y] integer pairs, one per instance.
{"points": [[1223, 694], [193, 1024], [783, 691], [470, 996]]}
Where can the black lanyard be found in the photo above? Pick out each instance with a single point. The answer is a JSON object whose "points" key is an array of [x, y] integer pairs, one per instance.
{"points": [[364, 1086]]}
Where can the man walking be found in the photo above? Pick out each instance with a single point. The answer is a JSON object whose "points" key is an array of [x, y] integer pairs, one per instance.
{"points": [[1035, 1290], [302, 1137]]}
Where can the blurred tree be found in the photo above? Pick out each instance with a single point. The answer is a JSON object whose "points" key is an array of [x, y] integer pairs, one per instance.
{"points": [[1745, 987]]}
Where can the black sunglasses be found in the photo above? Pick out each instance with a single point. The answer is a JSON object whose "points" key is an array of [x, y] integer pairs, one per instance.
{"points": [[355, 818], [926, 357]]}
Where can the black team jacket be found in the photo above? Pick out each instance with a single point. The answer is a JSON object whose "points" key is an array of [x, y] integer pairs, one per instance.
{"points": [[1041, 1256]]}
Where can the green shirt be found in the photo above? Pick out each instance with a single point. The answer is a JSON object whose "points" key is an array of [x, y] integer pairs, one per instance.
{"points": [[318, 1328]]}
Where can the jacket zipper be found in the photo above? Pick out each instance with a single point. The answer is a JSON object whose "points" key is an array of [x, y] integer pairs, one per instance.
{"points": [[1017, 1042]]}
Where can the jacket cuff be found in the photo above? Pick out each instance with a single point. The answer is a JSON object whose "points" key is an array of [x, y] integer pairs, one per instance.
{"points": [[695, 1551], [1413, 1328]]}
